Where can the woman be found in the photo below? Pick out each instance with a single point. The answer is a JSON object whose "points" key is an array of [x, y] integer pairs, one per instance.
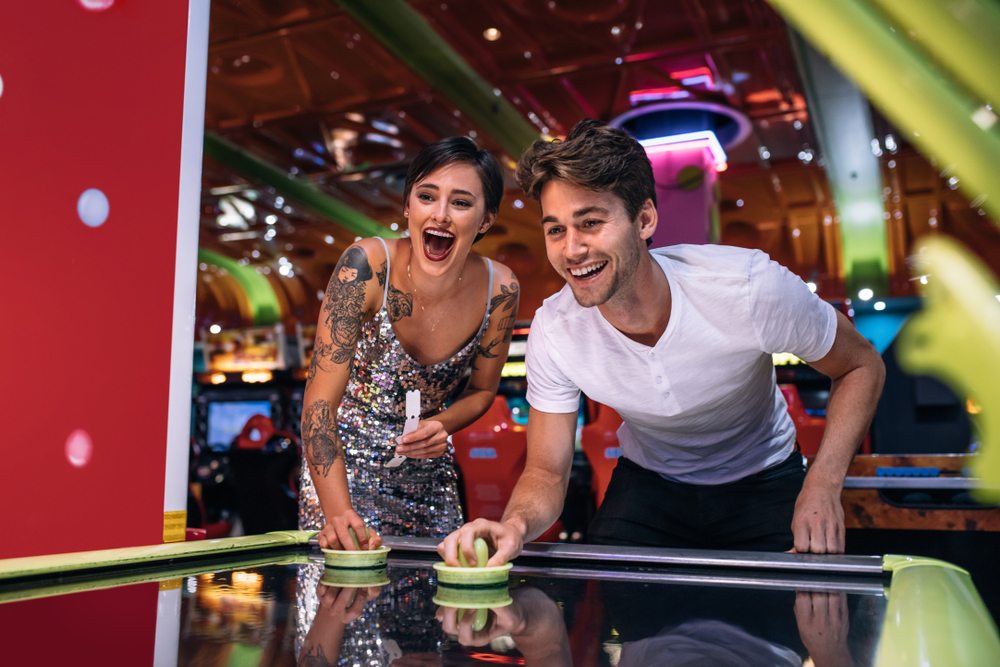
{"points": [[398, 315]]}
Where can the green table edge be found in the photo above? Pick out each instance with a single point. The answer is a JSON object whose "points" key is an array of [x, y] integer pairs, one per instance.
{"points": [[35, 566]]}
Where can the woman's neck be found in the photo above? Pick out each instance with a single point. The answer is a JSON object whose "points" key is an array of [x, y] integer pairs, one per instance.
{"points": [[432, 288]]}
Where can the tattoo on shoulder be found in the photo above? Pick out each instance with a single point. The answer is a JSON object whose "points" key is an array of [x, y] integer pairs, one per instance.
{"points": [[400, 304], [344, 310], [381, 274], [319, 436], [505, 306]]}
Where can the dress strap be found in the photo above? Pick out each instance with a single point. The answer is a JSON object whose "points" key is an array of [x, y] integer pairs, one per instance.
{"points": [[489, 291], [388, 270]]}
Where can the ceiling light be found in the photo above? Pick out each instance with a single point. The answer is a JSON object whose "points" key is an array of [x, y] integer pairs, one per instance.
{"points": [[812, 287], [491, 34], [703, 138], [865, 294], [880, 305], [215, 328]]}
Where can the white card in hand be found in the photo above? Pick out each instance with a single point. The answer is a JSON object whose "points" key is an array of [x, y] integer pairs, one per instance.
{"points": [[412, 419]]}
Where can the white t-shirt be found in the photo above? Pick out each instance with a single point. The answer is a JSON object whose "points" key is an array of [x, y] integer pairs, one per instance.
{"points": [[701, 406]]}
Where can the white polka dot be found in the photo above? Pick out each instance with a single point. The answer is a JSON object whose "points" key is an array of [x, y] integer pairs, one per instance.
{"points": [[93, 207], [96, 5], [79, 448]]}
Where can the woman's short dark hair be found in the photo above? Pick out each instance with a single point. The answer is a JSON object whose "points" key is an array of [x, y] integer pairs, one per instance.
{"points": [[355, 258], [594, 156], [464, 150]]}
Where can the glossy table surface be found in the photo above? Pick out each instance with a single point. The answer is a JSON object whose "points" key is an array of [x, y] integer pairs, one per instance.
{"points": [[565, 605]]}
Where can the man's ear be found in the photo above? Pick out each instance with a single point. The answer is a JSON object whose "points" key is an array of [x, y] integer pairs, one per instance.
{"points": [[647, 220]]}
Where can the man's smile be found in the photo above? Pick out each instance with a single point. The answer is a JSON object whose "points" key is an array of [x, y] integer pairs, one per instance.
{"points": [[587, 271]]}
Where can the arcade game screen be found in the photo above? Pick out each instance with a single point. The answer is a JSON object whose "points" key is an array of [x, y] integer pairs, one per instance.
{"points": [[226, 420]]}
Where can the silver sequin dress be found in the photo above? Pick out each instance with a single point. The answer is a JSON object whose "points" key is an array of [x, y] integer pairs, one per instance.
{"points": [[420, 497]]}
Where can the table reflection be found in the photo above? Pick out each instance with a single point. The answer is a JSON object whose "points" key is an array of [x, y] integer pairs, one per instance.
{"points": [[571, 621]]}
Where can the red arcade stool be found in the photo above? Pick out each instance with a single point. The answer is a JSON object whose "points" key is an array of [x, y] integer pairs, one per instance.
{"points": [[808, 429], [256, 432], [600, 444], [491, 453]]}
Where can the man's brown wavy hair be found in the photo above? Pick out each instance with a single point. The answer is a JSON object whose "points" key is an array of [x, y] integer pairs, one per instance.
{"points": [[594, 156]]}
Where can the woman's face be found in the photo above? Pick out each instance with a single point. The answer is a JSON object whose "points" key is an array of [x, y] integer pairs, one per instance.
{"points": [[446, 210], [347, 274]]}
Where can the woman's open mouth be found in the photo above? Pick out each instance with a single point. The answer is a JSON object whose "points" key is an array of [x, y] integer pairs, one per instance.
{"points": [[437, 243]]}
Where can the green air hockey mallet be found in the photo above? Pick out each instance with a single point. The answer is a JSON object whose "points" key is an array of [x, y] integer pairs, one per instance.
{"points": [[473, 587]]}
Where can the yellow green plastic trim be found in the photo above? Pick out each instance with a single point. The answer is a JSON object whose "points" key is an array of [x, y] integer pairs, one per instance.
{"points": [[938, 116], [935, 616], [13, 568], [956, 338], [89, 583], [894, 563]]}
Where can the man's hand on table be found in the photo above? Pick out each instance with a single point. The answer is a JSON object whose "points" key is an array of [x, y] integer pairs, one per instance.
{"points": [[505, 539], [818, 522]]}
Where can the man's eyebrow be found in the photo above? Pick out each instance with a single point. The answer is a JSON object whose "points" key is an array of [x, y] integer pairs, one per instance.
{"points": [[579, 214], [458, 192], [590, 209]]}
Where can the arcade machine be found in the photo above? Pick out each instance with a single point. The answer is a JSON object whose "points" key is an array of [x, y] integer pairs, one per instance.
{"points": [[305, 339], [243, 458]]}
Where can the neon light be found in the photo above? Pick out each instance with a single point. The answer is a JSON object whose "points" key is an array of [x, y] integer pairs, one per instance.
{"points": [[653, 94], [514, 369], [256, 376], [692, 77], [702, 138]]}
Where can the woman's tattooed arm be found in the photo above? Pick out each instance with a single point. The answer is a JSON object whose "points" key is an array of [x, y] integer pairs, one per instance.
{"points": [[343, 311], [319, 436], [506, 304]]}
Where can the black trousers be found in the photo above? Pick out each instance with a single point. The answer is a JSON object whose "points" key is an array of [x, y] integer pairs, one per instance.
{"points": [[641, 508]]}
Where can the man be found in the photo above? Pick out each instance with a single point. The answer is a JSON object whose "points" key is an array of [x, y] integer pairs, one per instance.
{"points": [[678, 341]]}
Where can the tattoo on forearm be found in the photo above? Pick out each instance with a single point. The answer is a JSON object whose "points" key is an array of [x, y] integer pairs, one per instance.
{"points": [[319, 436], [315, 658], [381, 274], [343, 311], [400, 304], [506, 303]]}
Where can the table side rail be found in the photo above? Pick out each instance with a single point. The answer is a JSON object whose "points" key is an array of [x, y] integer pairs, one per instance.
{"points": [[650, 556]]}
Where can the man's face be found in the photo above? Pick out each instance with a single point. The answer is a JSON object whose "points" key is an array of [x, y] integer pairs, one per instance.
{"points": [[589, 240]]}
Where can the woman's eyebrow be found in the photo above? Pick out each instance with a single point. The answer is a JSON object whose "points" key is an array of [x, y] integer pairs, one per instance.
{"points": [[457, 192]]}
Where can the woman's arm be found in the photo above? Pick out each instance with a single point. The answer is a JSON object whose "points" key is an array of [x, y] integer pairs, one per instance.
{"points": [[430, 439], [354, 292]]}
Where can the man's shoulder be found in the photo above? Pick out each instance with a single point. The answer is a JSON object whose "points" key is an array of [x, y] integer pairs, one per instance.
{"points": [[718, 261], [708, 257], [559, 307]]}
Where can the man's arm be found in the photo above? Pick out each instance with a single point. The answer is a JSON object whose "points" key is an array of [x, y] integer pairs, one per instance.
{"points": [[537, 499], [857, 372]]}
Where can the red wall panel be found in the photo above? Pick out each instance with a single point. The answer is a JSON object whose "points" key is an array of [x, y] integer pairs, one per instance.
{"points": [[90, 99]]}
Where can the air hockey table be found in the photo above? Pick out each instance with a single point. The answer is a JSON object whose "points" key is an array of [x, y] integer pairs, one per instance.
{"points": [[269, 600]]}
